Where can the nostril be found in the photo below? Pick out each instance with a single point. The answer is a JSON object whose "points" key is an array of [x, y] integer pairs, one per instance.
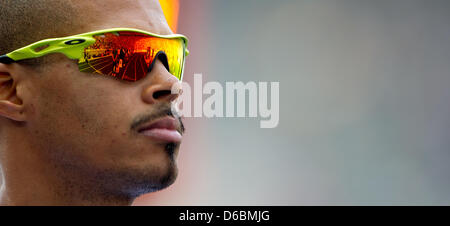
{"points": [[161, 94]]}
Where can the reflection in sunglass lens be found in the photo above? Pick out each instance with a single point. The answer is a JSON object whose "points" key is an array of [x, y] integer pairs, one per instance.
{"points": [[129, 55]]}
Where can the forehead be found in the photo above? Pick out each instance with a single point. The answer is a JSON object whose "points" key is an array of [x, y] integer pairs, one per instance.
{"points": [[142, 14]]}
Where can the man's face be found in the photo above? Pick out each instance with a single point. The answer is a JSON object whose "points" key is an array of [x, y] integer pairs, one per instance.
{"points": [[87, 124]]}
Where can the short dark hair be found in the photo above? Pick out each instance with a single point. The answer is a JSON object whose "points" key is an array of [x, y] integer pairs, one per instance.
{"points": [[23, 22]]}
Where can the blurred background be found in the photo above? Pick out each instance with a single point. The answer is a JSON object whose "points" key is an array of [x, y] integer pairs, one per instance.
{"points": [[364, 103]]}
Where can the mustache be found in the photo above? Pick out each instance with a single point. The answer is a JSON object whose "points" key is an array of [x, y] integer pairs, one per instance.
{"points": [[160, 110]]}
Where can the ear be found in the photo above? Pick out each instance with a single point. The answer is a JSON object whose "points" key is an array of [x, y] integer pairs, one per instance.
{"points": [[11, 105]]}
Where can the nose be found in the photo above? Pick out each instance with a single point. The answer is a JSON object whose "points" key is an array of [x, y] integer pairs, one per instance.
{"points": [[159, 85]]}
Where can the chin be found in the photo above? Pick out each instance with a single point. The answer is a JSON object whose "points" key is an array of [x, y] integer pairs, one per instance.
{"points": [[167, 178], [143, 172], [151, 178]]}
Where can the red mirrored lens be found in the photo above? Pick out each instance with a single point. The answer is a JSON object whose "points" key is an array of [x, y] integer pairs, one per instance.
{"points": [[129, 55]]}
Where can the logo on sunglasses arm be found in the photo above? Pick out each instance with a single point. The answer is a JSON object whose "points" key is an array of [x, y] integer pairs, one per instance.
{"points": [[74, 42]]}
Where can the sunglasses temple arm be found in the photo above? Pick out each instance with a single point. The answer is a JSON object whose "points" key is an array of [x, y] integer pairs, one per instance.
{"points": [[6, 60]]}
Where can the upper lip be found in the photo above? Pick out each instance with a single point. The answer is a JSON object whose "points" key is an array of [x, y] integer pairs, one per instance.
{"points": [[166, 122]]}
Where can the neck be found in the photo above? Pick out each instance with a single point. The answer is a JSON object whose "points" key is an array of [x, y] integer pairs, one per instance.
{"points": [[29, 179]]}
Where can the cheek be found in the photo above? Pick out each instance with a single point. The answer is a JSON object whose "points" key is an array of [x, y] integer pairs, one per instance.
{"points": [[78, 111]]}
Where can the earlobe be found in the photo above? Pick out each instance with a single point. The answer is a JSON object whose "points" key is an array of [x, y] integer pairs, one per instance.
{"points": [[11, 110], [11, 105]]}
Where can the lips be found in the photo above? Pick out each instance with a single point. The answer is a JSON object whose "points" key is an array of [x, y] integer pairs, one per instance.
{"points": [[164, 129]]}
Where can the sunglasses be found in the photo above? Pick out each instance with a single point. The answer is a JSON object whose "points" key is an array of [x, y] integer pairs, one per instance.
{"points": [[123, 53]]}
